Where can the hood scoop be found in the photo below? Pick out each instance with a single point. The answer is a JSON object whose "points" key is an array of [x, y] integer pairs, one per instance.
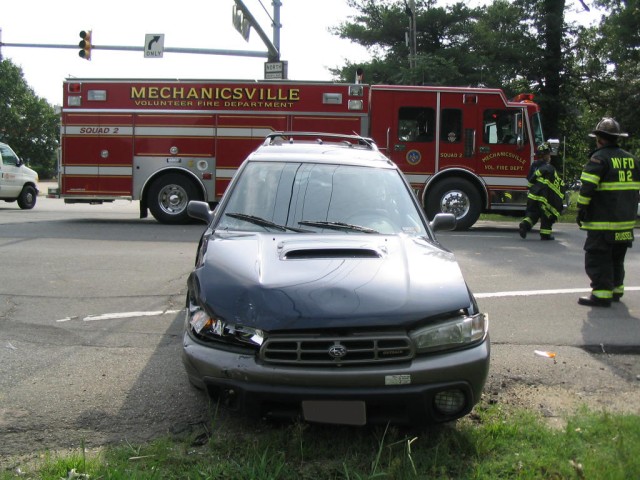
{"points": [[312, 253], [329, 250]]}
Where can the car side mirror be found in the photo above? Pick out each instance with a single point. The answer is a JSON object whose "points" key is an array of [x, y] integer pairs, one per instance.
{"points": [[200, 211], [443, 221]]}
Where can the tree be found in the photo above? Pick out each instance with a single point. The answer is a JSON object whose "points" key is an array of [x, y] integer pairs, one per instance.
{"points": [[28, 123], [494, 46], [578, 74], [617, 92], [382, 27], [501, 40], [549, 23], [601, 79]]}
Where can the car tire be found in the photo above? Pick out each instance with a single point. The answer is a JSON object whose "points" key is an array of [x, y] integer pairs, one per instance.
{"points": [[457, 196], [169, 196], [27, 198]]}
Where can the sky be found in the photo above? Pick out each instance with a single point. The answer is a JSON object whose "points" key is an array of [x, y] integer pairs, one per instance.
{"points": [[305, 42]]}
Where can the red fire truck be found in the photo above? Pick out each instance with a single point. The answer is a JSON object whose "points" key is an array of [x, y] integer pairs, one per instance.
{"points": [[166, 142]]}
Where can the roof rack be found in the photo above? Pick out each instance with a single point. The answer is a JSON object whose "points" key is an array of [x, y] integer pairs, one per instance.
{"points": [[277, 138]]}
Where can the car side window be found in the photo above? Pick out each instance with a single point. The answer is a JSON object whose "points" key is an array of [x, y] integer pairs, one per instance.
{"points": [[8, 157]]}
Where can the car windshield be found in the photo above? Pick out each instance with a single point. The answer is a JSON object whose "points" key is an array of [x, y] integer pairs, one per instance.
{"points": [[309, 198]]}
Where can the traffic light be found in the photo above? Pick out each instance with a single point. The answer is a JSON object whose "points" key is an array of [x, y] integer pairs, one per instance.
{"points": [[85, 45], [240, 21]]}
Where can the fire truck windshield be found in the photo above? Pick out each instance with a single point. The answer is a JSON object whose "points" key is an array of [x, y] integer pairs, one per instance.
{"points": [[536, 124]]}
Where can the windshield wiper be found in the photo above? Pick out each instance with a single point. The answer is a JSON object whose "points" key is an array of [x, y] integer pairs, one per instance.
{"points": [[337, 226], [264, 223]]}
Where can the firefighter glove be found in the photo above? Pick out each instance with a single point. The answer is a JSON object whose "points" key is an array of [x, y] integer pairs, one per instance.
{"points": [[582, 216]]}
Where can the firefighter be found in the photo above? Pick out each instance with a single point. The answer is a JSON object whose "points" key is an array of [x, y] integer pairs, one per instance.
{"points": [[607, 208], [545, 197]]}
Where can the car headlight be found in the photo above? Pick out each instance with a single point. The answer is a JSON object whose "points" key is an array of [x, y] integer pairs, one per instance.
{"points": [[452, 333], [215, 328]]}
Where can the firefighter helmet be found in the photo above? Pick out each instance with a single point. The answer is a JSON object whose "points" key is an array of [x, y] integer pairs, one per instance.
{"points": [[544, 149], [608, 127]]}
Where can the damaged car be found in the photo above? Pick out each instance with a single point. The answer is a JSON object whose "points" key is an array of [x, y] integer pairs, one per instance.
{"points": [[321, 293]]}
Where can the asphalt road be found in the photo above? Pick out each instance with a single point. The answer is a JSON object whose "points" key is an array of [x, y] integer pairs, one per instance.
{"points": [[91, 302]]}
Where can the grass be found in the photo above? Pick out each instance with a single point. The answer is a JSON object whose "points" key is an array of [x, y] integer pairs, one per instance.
{"points": [[568, 216], [489, 444]]}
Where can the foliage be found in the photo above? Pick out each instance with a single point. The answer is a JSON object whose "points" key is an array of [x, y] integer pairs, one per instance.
{"points": [[579, 74], [27, 122]]}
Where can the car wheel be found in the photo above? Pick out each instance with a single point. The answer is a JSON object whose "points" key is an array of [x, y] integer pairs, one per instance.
{"points": [[27, 198], [457, 196], [169, 196]]}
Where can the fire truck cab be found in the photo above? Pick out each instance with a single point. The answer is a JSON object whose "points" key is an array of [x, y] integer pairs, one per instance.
{"points": [[465, 150], [166, 142]]}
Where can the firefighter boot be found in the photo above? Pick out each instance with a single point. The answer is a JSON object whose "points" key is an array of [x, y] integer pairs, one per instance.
{"points": [[545, 231], [617, 293], [522, 229], [593, 301]]}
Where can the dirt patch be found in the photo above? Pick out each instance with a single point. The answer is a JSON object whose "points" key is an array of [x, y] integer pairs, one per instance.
{"points": [[559, 387]]}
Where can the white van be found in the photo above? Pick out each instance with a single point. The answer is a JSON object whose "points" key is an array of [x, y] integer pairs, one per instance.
{"points": [[17, 181]]}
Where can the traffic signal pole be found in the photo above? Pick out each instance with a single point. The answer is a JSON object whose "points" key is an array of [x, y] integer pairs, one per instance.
{"points": [[274, 51], [203, 51]]}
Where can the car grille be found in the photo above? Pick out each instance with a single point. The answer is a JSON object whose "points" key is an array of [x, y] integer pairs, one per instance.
{"points": [[337, 350]]}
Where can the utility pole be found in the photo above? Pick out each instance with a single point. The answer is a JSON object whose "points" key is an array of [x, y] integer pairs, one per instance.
{"points": [[276, 25], [410, 10]]}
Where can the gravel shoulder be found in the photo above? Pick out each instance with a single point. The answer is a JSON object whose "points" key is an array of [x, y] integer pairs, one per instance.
{"points": [[558, 387]]}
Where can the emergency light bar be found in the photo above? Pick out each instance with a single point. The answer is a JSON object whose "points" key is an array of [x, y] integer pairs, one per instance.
{"points": [[523, 97]]}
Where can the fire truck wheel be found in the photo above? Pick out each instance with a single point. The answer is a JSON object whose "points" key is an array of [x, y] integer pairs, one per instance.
{"points": [[169, 196], [457, 196], [27, 198]]}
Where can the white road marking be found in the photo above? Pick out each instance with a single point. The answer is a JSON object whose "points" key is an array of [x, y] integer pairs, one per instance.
{"points": [[516, 293], [526, 293], [113, 316]]}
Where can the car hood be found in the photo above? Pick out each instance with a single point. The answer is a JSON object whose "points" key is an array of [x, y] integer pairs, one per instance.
{"points": [[299, 282]]}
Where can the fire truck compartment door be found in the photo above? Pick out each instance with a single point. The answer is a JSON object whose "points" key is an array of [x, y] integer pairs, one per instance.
{"points": [[201, 170]]}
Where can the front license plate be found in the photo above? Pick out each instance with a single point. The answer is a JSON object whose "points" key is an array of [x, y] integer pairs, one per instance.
{"points": [[344, 412]]}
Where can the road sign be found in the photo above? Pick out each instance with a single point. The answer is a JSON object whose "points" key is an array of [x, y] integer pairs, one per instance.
{"points": [[275, 70], [153, 45]]}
